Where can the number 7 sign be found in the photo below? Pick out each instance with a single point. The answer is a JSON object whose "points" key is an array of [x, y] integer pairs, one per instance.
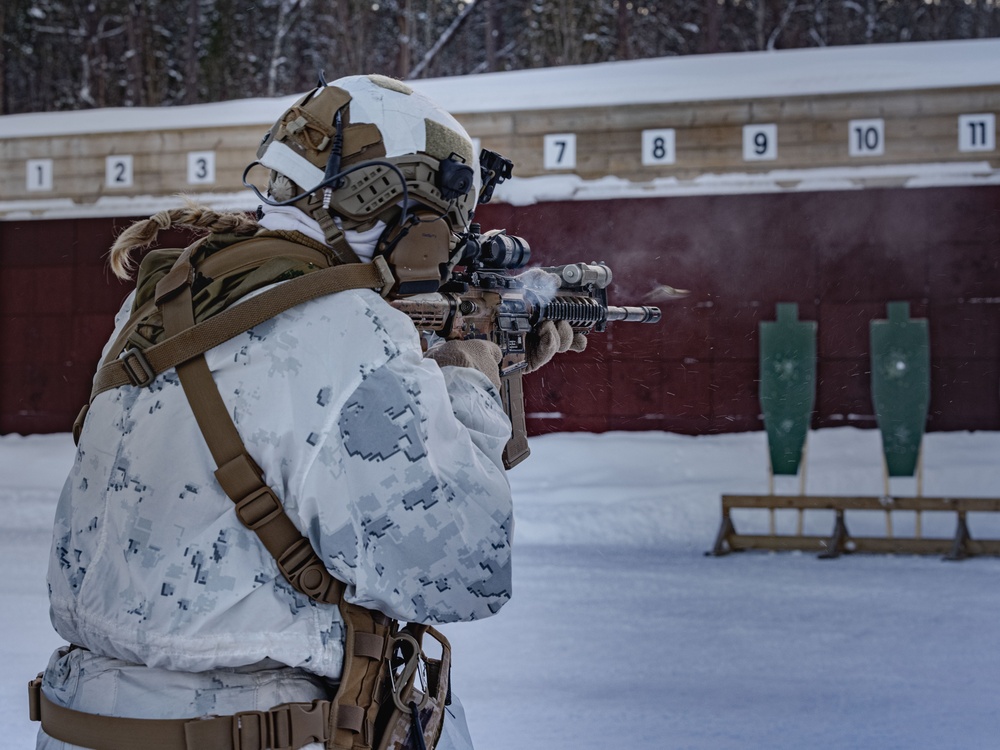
{"points": [[560, 151]]}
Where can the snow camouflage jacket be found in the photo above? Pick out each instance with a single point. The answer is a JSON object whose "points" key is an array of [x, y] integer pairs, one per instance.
{"points": [[390, 465]]}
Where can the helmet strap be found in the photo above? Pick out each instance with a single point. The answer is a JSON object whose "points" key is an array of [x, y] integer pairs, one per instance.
{"points": [[334, 235]]}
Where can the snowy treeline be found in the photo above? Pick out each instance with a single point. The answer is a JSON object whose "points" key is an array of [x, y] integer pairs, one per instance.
{"points": [[71, 54]]}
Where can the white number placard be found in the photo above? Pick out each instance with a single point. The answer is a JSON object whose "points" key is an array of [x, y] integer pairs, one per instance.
{"points": [[118, 171], [977, 132], [760, 142], [560, 151], [201, 167], [658, 146], [866, 137], [39, 174]]}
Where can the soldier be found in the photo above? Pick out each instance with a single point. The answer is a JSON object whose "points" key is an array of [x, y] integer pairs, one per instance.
{"points": [[386, 460]]}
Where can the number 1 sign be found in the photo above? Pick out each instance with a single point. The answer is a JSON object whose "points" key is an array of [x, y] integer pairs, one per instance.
{"points": [[39, 174]]}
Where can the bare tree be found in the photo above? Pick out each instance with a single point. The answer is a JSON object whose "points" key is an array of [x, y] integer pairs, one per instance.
{"points": [[66, 54]]}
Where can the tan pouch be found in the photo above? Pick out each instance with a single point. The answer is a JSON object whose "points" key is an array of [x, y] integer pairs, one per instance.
{"points": [[420, 689]]}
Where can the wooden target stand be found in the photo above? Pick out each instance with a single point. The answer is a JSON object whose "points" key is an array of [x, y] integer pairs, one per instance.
{"points": [[900, 388]]}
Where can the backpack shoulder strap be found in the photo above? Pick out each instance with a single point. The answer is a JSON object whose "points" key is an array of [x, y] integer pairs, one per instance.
{"points": [[368, 634], [257, 506], [140, 367]]}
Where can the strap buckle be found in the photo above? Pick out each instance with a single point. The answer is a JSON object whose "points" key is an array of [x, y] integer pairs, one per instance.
{"points": [[294, 725], [35, 699], [385, 274], [137, 367], [304, 570], [285, 727], [251, 730], [258, 508]]}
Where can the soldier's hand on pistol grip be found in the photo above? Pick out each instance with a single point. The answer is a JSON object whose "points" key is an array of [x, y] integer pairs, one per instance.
{"points": [[480, 354]]}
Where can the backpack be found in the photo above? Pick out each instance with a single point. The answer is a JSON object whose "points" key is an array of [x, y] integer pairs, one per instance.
{"points": [[183, 306]]}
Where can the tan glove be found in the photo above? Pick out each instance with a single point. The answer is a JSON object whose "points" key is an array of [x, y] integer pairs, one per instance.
{"points": [[550, 338], [480, 354]]}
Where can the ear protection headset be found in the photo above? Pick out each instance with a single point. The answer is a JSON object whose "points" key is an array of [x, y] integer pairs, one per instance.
{"points": [[423, 200]]}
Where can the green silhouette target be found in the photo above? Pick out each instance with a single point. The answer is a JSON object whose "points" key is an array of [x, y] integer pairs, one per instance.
{"points": [[787, 385], [901, 385]]}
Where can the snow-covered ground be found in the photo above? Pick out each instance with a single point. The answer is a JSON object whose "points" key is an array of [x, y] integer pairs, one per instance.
{"points": [[622, 634]]}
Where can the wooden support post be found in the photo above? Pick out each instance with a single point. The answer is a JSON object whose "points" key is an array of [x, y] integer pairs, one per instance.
{"points": [[722, 546], [960, 547], [802, 466], [838, 540]]}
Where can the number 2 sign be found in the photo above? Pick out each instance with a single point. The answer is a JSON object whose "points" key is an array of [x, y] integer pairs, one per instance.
{"points": [[118, 172]]}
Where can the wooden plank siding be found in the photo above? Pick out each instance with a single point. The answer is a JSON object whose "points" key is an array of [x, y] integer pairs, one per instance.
{"points": [[920, 127]]}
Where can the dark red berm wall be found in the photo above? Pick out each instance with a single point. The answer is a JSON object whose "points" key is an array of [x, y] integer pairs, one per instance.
{"points": [[840, 255]]}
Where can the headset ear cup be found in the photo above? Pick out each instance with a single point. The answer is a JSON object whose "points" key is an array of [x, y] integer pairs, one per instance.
{"points": [[455, 179], [417, 253]]}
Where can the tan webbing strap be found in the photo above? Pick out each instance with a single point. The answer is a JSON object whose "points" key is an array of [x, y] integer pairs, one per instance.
{"points": [[140, 368], [366, 661], [290, 725], [237, 257], [351, 715], [257, 506]]}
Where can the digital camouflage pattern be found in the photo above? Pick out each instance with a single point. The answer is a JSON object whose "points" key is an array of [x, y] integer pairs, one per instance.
{"points": [[390, 465]]}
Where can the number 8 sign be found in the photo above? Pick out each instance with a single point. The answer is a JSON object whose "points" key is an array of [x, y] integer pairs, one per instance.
{"points": [[658, 147]]}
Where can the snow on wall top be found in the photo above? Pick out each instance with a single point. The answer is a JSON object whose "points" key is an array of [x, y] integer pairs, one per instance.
{"points": [[744, 75]]}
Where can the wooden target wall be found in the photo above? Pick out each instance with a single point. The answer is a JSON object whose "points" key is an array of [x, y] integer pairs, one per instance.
{"points": [[840, 199]]}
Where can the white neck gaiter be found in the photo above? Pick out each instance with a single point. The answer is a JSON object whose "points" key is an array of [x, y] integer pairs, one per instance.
{"points": [[291, 219]]}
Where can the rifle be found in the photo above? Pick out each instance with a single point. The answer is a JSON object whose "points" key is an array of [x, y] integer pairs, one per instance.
{"points": [[484, 300]]}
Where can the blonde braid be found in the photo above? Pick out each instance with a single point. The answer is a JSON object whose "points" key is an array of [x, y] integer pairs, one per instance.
{"points": [[143, 233]]}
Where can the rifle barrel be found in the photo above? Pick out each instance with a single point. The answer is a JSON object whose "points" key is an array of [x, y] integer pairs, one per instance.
{"points": [[633, 314]]}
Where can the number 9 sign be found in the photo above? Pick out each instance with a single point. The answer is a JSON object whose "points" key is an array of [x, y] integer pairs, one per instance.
{"points": [[760, 142]]}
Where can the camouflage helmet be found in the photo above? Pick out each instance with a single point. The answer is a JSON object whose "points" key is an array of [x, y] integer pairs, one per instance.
{"points": [[366, 149]]}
